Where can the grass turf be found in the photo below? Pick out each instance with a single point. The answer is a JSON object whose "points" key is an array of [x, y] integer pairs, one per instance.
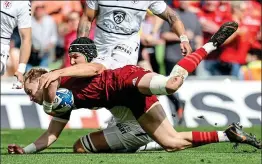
{"points": [[61, 151]]}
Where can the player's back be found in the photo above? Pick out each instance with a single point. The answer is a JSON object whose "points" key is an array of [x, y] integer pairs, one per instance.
{"points": [[13, 13], [118, 21], [108, 89], [92, 91]]}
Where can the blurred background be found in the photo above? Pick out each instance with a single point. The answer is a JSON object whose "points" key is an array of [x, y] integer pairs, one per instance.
{"points": [[231, 74]]}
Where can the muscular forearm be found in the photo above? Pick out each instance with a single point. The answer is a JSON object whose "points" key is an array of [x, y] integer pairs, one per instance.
{"points": [[44, 141], [177, 27], [25, 51], [82, 70], [84, 27]]}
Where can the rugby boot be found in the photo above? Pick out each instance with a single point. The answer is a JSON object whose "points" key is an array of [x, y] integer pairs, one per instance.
{"points": [[236, 134], [224, 32]]}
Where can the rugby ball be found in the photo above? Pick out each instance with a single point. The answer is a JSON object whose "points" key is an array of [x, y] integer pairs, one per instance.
{"points": [[64, 101]]}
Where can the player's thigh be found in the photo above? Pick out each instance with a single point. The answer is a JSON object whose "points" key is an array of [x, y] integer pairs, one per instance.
{"points": [[156, 124], [126, 137]]}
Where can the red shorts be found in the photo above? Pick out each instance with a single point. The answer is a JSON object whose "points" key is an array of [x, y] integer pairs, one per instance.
{"points": [[137, 102]]}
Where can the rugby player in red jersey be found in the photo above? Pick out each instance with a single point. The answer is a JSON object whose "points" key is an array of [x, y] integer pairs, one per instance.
{"points": [[135, 88]]}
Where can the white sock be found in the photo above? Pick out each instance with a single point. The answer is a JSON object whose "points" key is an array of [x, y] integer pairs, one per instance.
{"points": [[222, 137], [179, 71], [151, 146], [209, 47]]}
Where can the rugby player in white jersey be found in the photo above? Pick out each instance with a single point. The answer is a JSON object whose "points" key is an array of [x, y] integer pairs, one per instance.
{"points": [[16, 13], [118, 24]]}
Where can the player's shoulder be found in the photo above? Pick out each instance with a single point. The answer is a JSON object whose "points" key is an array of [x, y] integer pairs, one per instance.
{"points": [[21, 4], [17, 6]]}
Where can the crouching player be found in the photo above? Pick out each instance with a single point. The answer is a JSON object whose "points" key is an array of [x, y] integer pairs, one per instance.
{"points": [[123, 87]]}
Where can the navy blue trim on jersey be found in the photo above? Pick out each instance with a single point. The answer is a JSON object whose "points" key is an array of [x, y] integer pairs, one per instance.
{"points": [[123, 7], [4, 38], [115, 32], [140, 134], [7, 14]]}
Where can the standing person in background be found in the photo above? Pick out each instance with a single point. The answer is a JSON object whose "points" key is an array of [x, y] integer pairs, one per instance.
{"points": [[15, 13], [44, 37], [149, 41], [238, 43], [211, 18], [73, 20], [172, 55]]}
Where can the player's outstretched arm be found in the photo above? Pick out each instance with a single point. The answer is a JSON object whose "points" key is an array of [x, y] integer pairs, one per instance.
{"points": [[85, 22], [79, 70], [178, 28], [45, 140]]}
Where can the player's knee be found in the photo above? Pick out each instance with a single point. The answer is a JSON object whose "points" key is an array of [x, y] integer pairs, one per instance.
{"points": [[78, 147], [158, 85], [84, 145], [173, 84]]}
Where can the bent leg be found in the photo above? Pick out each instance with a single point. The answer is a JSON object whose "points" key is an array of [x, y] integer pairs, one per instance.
{"points": [[156, 124], [156, 84], [94, 142], [122, 138]]}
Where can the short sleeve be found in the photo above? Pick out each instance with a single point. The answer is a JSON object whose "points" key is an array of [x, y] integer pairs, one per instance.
{"points": [[24, 15], [157, 7], [92, 4]]}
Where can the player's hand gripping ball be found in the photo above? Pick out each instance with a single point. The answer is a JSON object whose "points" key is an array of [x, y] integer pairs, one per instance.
{"points": [[64, 102]]}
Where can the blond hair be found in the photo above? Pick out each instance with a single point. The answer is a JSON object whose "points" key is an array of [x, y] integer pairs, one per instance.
{"points": [[34, 73]]}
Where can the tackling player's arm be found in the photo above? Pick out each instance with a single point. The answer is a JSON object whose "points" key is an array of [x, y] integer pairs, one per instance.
{"points": [[85, 22], [78, 70], [82, 70]]}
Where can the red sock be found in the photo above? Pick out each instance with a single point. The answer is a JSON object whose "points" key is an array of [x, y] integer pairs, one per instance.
{"points": [[202, 138], [190, 62]]}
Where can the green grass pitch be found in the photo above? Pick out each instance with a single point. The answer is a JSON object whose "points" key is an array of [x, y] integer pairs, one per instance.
{"points": [[61, 151]]}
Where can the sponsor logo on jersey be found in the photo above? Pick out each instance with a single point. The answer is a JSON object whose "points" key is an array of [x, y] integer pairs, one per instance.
{"points": [[7, 4], [119, 16], [124, 48]]}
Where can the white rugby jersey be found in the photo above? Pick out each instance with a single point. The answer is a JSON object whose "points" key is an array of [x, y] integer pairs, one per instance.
{"points": [[120, 20], [14, 13]]}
